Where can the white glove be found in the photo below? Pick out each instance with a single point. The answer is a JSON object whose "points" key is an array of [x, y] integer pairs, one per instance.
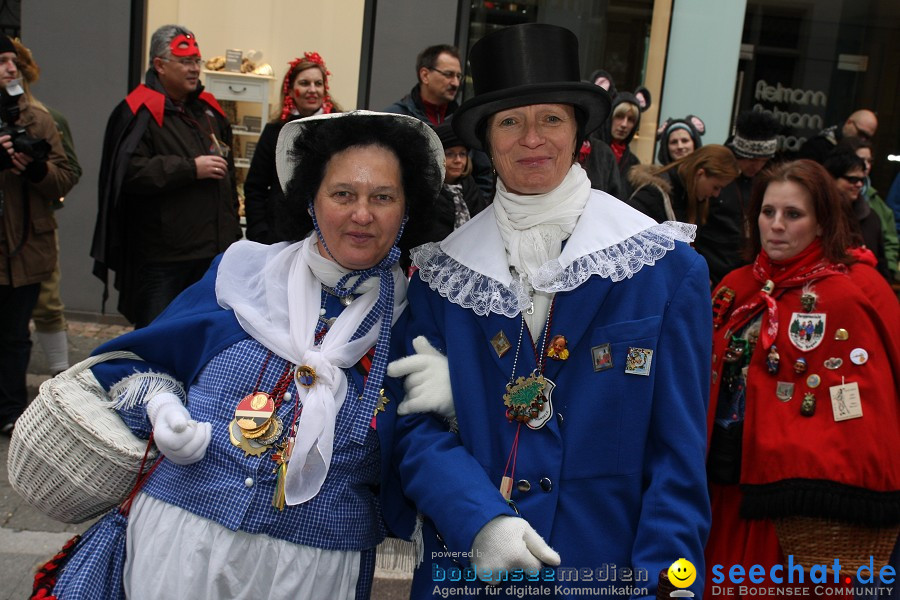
{"points": [[181, 439], [427, 382], [508, 543]]}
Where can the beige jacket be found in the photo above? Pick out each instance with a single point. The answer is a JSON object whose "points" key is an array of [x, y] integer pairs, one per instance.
{"points": [[27, 241]]}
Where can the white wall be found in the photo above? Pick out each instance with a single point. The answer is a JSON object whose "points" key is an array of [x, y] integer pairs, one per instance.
{"points": [[281, 30], [704, 47]]}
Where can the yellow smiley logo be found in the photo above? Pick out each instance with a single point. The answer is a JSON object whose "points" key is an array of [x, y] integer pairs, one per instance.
{"points": [[682, 573]]}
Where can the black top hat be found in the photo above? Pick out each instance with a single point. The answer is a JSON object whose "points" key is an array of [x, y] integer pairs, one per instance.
{"points": [[526, 64]]}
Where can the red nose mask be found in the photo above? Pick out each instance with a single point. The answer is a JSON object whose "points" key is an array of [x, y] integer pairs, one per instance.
{"points": [[184, 45]]}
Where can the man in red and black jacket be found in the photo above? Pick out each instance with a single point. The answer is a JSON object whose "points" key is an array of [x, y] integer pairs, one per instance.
{"points": [[168, 201]]}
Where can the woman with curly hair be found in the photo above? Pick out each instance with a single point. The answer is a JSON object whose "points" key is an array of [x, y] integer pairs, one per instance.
{"points": [[304, 92], [261, 387]]}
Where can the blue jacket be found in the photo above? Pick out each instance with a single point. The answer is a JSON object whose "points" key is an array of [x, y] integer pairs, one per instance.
{"points": [[617, 477], [411, 105]]}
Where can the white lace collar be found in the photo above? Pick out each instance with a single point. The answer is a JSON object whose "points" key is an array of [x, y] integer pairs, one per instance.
{"points": [[611, 239]]}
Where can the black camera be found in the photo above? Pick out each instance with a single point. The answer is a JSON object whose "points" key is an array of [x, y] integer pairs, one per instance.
{"points": [[38, 149]]}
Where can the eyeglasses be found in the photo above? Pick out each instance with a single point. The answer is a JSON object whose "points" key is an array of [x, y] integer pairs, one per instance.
{"points": [[185, 62], [853, 180], [448, 74], [453, 155]]}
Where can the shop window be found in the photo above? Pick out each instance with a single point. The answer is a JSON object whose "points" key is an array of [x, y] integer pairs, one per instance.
{"points": [[811, 63], [613, 35]]}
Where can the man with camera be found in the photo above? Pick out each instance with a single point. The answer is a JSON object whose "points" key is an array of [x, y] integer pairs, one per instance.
{"points": [[34, 172], [167, 195]]}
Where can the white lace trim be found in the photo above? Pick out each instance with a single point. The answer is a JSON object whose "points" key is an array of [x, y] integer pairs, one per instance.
{"points": [[483, 295]]}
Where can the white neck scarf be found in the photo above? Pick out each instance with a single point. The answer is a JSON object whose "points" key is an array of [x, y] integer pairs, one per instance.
{"points": [[275, 293], [534, 227]]}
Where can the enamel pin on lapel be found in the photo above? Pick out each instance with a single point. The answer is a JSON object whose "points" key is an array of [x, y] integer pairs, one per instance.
{"points": [[638, 361], [501, 344], [558, 348], [601, 357]]}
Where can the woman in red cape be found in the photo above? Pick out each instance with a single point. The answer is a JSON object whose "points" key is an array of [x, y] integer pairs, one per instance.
{"points": [[804, 415]]}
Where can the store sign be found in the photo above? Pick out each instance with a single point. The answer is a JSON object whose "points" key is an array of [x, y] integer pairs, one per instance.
{"points": [[853, 62], [794, 108]]}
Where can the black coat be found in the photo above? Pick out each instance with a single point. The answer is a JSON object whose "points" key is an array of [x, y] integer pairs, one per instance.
{"points": [[602, 169], [262, 192], [868, 225], [151, 206], [445, 209], [648, 195], [722, 239]]}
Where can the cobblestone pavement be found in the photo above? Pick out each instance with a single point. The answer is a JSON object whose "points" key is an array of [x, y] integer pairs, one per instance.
{"points": [[28, 538]]}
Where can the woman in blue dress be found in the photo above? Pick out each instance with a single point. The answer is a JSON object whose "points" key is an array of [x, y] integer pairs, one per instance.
{"points": [[261, 384]]}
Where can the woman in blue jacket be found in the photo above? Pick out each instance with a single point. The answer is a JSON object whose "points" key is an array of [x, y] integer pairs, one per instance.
{"points": [[561, 341]]}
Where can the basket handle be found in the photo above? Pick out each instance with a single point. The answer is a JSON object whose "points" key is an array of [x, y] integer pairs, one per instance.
{"points": [[96, 360]]}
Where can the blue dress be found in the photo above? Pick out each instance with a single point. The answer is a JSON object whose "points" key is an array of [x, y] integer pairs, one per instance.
{"points": [[201, 344]]}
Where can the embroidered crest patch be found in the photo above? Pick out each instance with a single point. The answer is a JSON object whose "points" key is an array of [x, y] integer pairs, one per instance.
{"points": [[784, 390], [807, 330]]}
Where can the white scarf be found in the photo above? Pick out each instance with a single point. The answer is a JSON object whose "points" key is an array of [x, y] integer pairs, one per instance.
{"points": [[534, 227], [275, 293]]}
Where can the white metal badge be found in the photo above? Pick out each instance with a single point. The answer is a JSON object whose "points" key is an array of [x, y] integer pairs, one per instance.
{"points": [[546, 410]]}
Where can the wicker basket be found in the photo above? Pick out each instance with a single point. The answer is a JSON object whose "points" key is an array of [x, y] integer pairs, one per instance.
{"points": [[71, 456], [819, 541]]}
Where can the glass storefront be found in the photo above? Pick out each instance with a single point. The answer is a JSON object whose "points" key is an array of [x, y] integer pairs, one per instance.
{"points": [[811, 63]]}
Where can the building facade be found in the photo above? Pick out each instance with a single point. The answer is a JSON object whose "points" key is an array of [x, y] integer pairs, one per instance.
{"points": [[808, 62]]}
